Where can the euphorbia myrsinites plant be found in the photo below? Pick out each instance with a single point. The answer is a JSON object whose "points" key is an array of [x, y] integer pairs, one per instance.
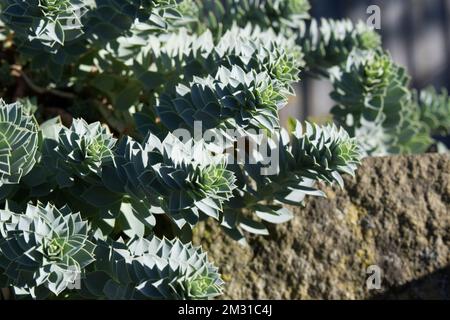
{"points": [[125, 123]]}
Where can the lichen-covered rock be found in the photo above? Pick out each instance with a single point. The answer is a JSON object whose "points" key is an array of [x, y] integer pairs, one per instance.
{"points": [[394, 215]]}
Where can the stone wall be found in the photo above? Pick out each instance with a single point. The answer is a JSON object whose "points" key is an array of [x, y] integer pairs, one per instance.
{"points": [[395, 215]]}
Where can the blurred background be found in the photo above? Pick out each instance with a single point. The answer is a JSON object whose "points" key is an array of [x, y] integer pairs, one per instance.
{"points": [[415, 32]]}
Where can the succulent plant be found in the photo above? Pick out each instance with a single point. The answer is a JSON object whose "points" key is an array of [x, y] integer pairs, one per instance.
{"points": [[111, 19], [181, 179], [192, 180], [44, 249], [233, 98], [41, 180], [434, 108], [19, 139], [374, 102], [252, 48], [307, 155], [55, 34], [154, 76], [50, 23], [219, 15], [3, 32], [175, 59], [152, 269], [84, 149], [328, 43]]}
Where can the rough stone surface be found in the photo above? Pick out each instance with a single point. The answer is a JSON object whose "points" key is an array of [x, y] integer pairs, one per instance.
{"points": [[395, 214]]}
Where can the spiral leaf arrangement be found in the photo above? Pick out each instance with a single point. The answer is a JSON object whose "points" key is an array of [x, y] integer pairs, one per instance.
{"points": [[51, 22], [375, 104], [43, 250], [152, 269], [19, 143], [84, 149]]}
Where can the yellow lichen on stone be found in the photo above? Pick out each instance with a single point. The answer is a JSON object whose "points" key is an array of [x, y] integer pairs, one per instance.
{"points": [[354, 214]]}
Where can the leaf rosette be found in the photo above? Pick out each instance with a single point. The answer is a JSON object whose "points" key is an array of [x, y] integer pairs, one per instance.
{"points": [[19, 138], [44, 249], [152, 268], [83, 149]]}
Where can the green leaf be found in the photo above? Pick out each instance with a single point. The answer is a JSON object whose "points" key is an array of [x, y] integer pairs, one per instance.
{"points": [[100, 197], [128, 96]]}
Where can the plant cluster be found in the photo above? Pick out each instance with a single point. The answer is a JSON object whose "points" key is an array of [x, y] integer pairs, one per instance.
{"points": [[374, 100], [100, 202]]}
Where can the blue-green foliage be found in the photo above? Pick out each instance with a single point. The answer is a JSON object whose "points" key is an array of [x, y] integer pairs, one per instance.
{"points": [[375, 104], [144, 70]]}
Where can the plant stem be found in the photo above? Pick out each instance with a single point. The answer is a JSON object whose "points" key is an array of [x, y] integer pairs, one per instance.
{"points": [[40, 90]]}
